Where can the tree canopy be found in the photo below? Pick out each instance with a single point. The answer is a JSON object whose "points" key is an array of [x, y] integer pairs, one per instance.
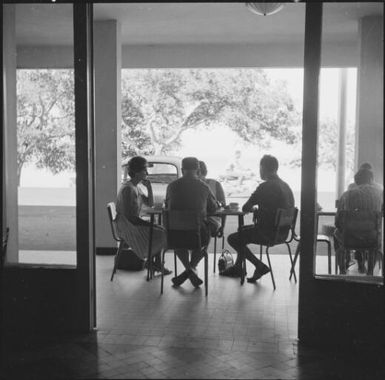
{"points": [[45, 119], [159, 105]]}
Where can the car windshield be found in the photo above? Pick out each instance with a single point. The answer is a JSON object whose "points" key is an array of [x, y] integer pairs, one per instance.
{"points": [[162, 172]]}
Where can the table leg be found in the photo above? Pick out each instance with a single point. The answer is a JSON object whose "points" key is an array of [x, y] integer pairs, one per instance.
{"points": [[149, 260]]}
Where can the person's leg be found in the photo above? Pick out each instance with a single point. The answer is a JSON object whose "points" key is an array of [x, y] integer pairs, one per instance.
{"points": [[183, 256], [159, 241], [249, 235], [197, 254]]}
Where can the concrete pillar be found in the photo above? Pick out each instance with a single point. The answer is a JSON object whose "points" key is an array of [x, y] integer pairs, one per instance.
{"points": [[10, 133], [107, 63], [341, 158], [370, 96]]}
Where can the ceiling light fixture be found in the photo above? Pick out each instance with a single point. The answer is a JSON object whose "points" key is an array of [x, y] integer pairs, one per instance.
{"points": [[264, 8]]}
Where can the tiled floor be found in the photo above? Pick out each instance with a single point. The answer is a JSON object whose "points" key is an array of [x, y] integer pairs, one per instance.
{"points": [[236, 332]]}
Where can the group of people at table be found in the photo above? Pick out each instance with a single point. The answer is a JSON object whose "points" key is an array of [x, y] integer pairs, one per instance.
{"points": [[194, 192]]}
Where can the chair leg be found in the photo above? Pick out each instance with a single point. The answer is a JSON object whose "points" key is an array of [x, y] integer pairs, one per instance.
{"points": [[296, 254], [206, 273], [291, 262], [162, 271], [215, 252], [175, 265], [116, 260], [271, 269]]}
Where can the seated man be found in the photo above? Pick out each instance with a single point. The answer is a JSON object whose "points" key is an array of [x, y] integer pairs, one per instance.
{"points": [[363, 196], [190, 193], [269, 196], [128, 206]]}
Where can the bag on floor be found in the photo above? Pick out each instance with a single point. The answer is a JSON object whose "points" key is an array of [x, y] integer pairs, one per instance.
{"points": [[225, 260], [128, 260]]}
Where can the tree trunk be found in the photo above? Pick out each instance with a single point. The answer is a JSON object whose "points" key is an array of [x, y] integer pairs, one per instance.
{"points": [[19, 168]]}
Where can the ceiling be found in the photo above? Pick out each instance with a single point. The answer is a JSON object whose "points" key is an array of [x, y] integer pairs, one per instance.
{"points": [[191, 23]]}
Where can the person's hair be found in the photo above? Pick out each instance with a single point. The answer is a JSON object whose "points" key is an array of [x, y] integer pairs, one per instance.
{"points": [[203, 168], [269, 163], [136, 165], [366, 165], [363, 176], [190, 163]]}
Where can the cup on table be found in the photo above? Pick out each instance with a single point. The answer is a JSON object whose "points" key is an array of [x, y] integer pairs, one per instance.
{"points": [[234, 206]]}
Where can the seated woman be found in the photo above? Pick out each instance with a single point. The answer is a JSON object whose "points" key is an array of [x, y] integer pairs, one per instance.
{"points": [[128, 206], [215, 222]]}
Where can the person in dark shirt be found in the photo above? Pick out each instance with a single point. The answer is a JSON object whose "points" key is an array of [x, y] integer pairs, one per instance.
{"points": [[270, 195], [190, 193]]}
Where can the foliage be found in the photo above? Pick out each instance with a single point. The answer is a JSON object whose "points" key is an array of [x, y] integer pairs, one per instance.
{"points": [[328, 146], [160, 105], [45, 119]]}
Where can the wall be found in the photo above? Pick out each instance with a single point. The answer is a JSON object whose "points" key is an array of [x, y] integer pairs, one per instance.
{"points": [[197, 55]]}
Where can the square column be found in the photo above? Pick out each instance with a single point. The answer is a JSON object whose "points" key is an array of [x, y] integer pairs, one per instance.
{"points": [[370, 96], [107, 63], [9, 150]]}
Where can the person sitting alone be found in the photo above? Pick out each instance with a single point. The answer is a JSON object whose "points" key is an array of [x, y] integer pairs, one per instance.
{"points": [[270, 195], [192, 194], [364, 196], [128, 207], [367, 166]]}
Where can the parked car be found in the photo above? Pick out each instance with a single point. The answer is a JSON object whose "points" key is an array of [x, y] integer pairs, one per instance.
{"points": [[162, 170]]}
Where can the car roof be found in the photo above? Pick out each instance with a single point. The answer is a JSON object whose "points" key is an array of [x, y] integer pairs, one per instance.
{"points": [[160, 159]]}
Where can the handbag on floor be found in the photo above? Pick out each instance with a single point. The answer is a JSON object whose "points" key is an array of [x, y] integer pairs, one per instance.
{"points": [[128, 260], [225, 260]]}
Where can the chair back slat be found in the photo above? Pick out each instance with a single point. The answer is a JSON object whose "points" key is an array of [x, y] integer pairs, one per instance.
{"points": [[285, 221], [182, 220], [361, 229], [183, 228], [111, 209]]}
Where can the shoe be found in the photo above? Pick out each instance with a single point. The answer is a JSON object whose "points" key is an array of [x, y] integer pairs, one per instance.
{"points": [[179, 280], [258, 274], [233, 271], [158, 268], [195, 280]]}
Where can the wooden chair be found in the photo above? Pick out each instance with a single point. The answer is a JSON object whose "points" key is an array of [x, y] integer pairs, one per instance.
{"points": [[111, 210], [138, 238], [285, 220], [361, 230], [184, 232], [320, 239]]}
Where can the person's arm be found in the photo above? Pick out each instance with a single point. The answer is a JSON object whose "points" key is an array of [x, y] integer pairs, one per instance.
{"points": [[252, 201], [212, 204], [149, 199], [220, 194], [167, 199]]}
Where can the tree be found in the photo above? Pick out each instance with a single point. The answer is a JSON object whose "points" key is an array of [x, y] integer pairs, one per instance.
{"points": [[45, 119], [160, 105]]}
